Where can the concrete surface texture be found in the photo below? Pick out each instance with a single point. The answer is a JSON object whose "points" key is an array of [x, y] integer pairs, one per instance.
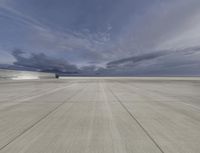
{"points": [[100, 115]]}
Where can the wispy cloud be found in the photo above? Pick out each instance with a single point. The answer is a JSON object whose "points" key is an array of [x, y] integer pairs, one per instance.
{"points": [[137, 36], [81, 42]]}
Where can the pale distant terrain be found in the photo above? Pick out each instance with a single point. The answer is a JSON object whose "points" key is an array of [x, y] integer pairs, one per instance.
{"points": [[23, 75]]}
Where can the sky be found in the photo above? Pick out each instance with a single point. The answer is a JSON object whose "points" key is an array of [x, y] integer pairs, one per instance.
{"points": [[102, 37]]}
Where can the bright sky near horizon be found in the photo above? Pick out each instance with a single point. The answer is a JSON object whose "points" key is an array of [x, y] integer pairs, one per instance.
{"points": [[121, 36]]}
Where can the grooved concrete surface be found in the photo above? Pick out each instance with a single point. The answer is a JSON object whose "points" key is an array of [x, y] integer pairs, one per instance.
{"points": [[100, 115]]}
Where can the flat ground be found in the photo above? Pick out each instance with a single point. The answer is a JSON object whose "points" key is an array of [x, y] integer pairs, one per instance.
{"points": [[100, 115]]}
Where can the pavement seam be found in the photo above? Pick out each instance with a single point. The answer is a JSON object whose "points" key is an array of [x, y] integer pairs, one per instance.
{"points": [[23, 101], [134, 118], [38, 121], [115, 134], [181, 102]]}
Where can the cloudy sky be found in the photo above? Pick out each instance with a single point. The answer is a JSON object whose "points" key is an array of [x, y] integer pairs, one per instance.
{"points": [[141, 37]]}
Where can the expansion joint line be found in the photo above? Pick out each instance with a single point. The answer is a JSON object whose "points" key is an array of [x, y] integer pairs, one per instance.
{"points": [[134, 118], [41, 119]]}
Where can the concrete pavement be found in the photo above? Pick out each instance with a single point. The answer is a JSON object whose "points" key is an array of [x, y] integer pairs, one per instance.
{"points": [[100, 115]]}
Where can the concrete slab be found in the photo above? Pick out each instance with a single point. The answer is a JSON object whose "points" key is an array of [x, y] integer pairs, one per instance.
{"points": [[100, 115]]}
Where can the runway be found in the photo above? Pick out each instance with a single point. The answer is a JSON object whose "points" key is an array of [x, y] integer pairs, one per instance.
{"points": [[100, 115]]}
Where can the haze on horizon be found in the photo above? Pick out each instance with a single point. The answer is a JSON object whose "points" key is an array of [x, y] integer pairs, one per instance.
{"points": [[102, 37]]}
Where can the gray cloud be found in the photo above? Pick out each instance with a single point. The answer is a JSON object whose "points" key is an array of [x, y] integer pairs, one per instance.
{"points": [[160, 63], [137, 36], [136, 59], [42, 62], [166, 62], [153, 55]]}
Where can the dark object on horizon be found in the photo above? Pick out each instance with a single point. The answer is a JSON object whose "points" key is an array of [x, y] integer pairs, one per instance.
{"points": [[57, 76]]}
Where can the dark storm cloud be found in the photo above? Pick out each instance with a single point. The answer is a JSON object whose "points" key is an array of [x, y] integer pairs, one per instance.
{"points": [[154, 55], [166, 62], [137, 59], [42, 62]]}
